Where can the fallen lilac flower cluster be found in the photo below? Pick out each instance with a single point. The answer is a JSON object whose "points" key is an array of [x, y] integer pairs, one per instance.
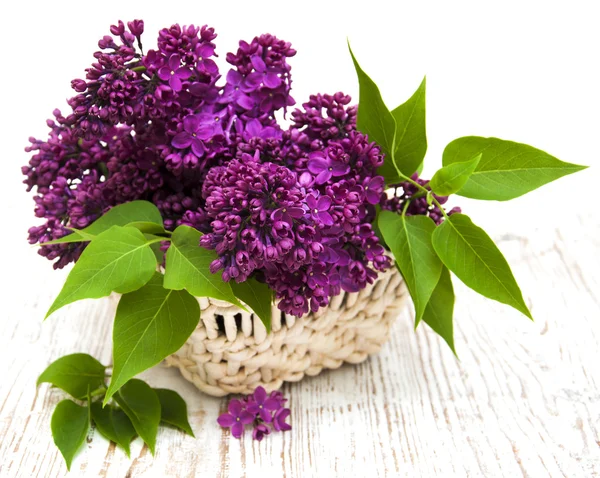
{"points": [[290, 207], [258, 409]]}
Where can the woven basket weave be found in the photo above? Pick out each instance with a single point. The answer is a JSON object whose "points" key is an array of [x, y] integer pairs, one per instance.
{"points": [[231, 352]]}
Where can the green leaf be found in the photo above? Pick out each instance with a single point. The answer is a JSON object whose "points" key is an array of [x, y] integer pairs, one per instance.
{"points": [[88, 397], [409, 239], [258, 296], [151, 324], [468, 251], [440, 308], [114, 425], [374, 118], [140, 403], [411, 138], [70, 424], [74, 373], [147, 227], [507, 169], [140, 214], [158, 253], [75, 236], [123, 428], [123, 214], [187, 267], [173, 409], [453, 177], [119, 259]]}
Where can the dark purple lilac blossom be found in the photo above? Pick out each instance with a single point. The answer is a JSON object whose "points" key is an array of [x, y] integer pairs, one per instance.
{"points": [[236, 91], [260, 409], [236, 418], [192, 135], [290, 207], [373, 187], [173, 73], [279, 418], [265, 76], [277, 395], [317, 208], [262, 405], [324, 168], [260, 431]]}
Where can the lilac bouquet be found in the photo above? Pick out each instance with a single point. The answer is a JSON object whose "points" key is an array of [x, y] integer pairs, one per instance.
{"points": [[291, 207], [168, 180]]}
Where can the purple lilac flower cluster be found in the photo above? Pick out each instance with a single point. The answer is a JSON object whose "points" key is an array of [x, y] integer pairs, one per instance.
{"points": [[290, 207], [294, 208], [149, 126], [259, 409]]}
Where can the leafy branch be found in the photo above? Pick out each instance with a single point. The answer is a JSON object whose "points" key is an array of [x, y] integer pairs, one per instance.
{"points": [[136, 410], [157, 312], [473, 167]]}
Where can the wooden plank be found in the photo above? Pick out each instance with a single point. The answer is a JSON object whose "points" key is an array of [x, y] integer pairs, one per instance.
{"points": [[523, 400]]}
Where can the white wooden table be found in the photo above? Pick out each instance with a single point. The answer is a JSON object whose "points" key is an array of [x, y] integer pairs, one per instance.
{"points": [[524, 399]]}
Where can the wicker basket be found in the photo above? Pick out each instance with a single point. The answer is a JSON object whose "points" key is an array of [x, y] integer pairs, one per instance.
{"points": [[230, 351]]}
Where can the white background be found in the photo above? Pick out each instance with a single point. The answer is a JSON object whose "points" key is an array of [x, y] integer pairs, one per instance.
{"points": [[525, 71]]}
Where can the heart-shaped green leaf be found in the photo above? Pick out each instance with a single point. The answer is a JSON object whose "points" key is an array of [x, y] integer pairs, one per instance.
{"points": [[118, 259], [140, 403], [151, 323], [410, 144], [74, 374], [440, 308], [147, 227], [468, 252], [187, 267], [75, 236], [409, 239], [70, 424], [258, 296], [139, 214], [173, 409], [114, 425], [507, 169], [374, 118], [453, 177]]}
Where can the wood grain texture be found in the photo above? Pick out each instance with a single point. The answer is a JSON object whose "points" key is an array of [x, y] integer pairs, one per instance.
{"points": [[524, 399]]}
